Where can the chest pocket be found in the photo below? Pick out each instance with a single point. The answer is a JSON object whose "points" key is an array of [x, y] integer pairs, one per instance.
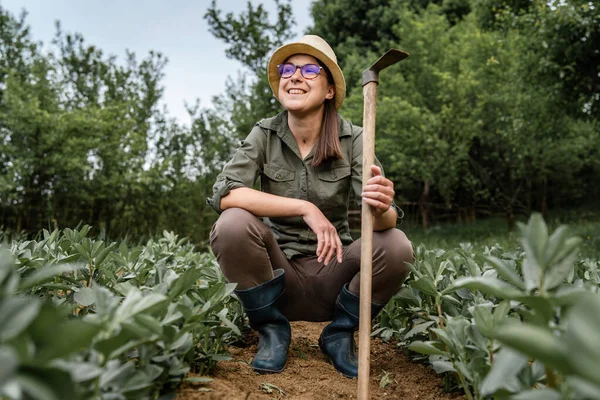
{"points": [[334, 184], [278, 180]]}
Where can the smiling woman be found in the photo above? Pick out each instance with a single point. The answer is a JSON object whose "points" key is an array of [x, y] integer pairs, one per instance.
{"points": [[288, 245]]}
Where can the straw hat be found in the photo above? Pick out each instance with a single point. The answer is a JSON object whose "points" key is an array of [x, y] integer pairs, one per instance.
{"points": [[313, 46]]}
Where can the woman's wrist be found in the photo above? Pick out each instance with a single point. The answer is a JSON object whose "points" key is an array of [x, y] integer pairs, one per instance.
{"points": [[306, 207]]}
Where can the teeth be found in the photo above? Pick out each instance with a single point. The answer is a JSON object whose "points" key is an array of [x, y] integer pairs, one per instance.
{"points": [[296, 91]]}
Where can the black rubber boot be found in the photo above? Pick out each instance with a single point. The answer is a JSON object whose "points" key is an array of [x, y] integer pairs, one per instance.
{"points": [[274, 332], [337, 338]]}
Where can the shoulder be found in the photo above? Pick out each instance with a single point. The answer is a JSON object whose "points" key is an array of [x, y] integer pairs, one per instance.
{"points": [[347, 128], [265, 127], [273, 123], [352, 134]]}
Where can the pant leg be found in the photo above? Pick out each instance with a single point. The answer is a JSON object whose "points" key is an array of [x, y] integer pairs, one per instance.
{"points": [[246, 249], [391, 251], [247, 253], [317, 286]]}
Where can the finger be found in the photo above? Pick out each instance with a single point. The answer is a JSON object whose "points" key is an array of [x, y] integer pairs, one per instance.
{"points": [[325, 248], [379, 189], [382, 197], [319, 243], [380, 180], [382, 207], [375, 170], [340, 248], [332, 248]]}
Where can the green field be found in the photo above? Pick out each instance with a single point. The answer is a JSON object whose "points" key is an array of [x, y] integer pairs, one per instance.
{"points": [[496, 312], [488, 232]]}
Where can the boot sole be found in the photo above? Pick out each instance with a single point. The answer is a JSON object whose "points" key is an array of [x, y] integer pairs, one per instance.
{"points": [[268, 371]]}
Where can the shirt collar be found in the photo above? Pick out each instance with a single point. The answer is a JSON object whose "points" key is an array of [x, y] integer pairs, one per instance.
{"points": [[279, 124]]}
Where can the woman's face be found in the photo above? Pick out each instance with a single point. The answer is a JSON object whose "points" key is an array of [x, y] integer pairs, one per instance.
{"points": [[298, 94]]}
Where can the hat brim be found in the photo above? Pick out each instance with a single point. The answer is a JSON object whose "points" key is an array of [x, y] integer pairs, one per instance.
{"points": [[288, 50]]}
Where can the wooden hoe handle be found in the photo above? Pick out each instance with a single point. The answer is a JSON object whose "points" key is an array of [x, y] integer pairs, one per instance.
{"points": [[370, 81]]}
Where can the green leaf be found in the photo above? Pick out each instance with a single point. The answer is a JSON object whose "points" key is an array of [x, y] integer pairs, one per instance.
{"points": [[8, 365], [531, 272], [425, 348], [221, 357], [507, 365], [67, 338], [419, 328], [136, 303], [501, 311], [583, 336], [464, 370], [440, 366], [150, 323], [535, 237], [201, 380], [184, 282], [116, 374], [484, 320], [541, 305], [425, 284], [487, 285], [16, 313], [558, 272], [114, 343], [223, 317], [584, 388], [80, 371], [538, 394], [556, 243], [536, 342], [85, 297], [506, 272], [46, 274], [45, 383], [569, 295], [103, 254]]}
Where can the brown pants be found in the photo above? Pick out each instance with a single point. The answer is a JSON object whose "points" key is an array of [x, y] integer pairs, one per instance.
{"points": [[247, 252]]}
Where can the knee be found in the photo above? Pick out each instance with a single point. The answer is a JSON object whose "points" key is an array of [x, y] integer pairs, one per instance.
{"points": [[234, 225], [395, 250]]}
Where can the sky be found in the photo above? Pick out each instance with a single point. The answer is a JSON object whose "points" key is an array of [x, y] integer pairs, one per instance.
{"points": [[197, 67]]}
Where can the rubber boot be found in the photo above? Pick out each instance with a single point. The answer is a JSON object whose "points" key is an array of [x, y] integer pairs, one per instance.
{"points": [[337, 338], [274, 332]]}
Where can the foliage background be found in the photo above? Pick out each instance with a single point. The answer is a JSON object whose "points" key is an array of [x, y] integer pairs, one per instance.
{"points": [[495, 113]]}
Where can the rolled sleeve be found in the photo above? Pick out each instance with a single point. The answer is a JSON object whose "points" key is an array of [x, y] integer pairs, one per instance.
{"points": [[243, 168]]}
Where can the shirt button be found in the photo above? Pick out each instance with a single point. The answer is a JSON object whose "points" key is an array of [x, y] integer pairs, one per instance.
{"points": [[278, 176]]}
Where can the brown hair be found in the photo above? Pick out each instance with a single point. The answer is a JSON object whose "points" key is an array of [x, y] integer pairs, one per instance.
{"points": [[328, 144]]}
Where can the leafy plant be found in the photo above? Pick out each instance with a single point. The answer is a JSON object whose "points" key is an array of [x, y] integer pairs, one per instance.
{"points": [[491, 320], [81, 319]]}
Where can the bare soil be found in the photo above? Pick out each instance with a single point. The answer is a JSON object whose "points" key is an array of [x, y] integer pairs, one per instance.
{"points": [[309, 376]]}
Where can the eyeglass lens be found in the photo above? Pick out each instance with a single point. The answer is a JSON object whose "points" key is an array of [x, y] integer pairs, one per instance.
{"points": [[308, 71]]}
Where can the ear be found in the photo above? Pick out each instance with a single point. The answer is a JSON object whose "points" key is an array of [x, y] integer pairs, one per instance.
{"points": [[330, 92]]}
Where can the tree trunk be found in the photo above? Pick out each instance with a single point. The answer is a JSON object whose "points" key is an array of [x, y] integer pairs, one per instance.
{"points": [[473, 214], [510, 217]]}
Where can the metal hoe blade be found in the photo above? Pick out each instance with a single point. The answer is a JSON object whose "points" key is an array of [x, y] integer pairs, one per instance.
{"points": [[391, 57]]}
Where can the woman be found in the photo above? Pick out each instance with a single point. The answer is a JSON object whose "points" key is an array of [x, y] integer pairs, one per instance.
{"points": [[298, 261]]}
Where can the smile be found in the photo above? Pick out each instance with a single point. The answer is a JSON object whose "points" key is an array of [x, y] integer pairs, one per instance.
{"points": [[296, 91]]}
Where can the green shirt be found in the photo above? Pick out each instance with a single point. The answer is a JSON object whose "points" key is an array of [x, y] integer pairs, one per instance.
{"points": [[271, 153]]}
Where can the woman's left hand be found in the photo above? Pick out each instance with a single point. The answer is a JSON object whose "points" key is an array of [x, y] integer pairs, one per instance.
{"points": [[378, 192]]}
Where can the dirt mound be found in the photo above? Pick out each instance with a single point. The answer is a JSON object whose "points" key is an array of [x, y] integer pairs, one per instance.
{"points": [[309, 376]]}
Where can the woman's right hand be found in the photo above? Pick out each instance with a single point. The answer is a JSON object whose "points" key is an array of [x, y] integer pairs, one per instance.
{"points": [[329, 243]]}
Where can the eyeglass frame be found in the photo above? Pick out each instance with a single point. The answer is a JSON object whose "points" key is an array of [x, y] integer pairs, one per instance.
{"points": [[296, 68]]}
